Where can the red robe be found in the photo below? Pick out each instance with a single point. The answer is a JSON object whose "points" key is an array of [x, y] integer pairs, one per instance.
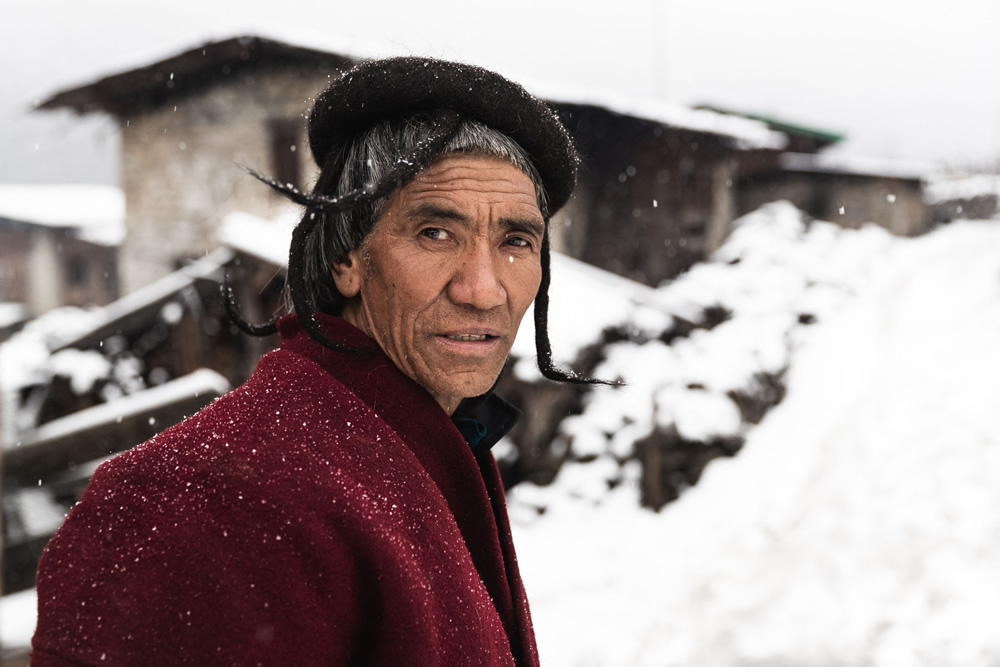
{"points": [[326, 512]]}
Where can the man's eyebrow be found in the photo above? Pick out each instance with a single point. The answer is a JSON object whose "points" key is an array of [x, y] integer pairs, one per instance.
{"points": [[434, 211], [523, 225]]}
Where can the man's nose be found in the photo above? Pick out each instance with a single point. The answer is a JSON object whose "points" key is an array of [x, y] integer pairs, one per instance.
{"points": [[476, 281]]}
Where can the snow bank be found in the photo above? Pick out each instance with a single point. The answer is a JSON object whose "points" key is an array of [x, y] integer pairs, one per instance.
{"points": [[583, 301], [858, 526], [775, 277]]}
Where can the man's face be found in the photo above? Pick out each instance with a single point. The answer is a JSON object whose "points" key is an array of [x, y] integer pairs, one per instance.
{"points": [[446, 274]]}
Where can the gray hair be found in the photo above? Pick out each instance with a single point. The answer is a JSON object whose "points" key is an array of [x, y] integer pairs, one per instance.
{"points": [[367, 160]]}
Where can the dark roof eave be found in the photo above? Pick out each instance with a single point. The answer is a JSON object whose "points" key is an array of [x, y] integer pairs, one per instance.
{"points": [[856, 174]]}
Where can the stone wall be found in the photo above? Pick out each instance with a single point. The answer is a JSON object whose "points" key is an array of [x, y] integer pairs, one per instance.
{"points": [[975, 207], [180, 165], [845, 199]]}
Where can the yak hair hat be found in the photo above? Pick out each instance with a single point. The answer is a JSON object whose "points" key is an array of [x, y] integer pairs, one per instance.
{"points": [[395, 88]]}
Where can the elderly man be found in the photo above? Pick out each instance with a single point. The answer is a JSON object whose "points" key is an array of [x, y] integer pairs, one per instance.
{"points": [[342, 506]]}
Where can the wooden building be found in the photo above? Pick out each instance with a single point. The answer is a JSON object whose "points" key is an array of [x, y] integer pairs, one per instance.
{"points": [[168, 349]]}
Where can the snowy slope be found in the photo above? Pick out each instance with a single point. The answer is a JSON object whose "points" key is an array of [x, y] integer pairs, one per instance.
{"points": [[859, 524]]}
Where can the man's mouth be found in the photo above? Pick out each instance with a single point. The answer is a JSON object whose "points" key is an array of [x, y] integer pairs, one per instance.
{"points": [[469, 338]]}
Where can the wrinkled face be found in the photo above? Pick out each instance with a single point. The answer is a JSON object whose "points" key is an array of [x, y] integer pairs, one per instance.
{"points": [[446, 274]]}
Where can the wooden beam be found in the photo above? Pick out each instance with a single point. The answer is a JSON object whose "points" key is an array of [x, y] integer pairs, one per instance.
{"points": [[108, 428]]}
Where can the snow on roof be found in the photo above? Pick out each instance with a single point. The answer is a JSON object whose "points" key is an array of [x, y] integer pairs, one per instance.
{"points": [[96, 212], [24, 356], [835, 163], [108, 427], [260, 237], [202, 382], [12, 313], [964, 187], [26, 350], [746, 133]]}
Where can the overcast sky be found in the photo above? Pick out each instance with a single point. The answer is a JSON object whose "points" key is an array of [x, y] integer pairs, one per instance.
{"points": [[905, 79]]}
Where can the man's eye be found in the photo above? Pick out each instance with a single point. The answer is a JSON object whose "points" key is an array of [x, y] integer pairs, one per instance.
{"points": [[434, 233], [519, 242]]}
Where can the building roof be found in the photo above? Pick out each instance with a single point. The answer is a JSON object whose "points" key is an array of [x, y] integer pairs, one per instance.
{"points": [[195, 67], [745, 133], [190, 70]]}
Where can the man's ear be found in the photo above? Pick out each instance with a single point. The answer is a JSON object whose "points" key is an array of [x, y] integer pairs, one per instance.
{"points": [[347, 275]]}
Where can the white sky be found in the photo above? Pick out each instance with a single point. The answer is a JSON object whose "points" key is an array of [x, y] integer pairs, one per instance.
{"points": [[908, 79]]}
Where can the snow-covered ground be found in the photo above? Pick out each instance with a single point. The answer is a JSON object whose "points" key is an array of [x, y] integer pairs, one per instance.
{"points": [[859, 525]]}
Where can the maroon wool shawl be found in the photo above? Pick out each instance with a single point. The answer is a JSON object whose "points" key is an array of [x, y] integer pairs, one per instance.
{"points": [[326, 512]]}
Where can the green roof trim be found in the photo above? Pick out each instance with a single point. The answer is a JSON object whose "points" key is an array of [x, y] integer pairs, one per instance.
{"points": [[823, 136]]}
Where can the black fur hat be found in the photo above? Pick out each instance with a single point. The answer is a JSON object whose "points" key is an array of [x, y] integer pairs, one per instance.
{"points": [[400, 87]]}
